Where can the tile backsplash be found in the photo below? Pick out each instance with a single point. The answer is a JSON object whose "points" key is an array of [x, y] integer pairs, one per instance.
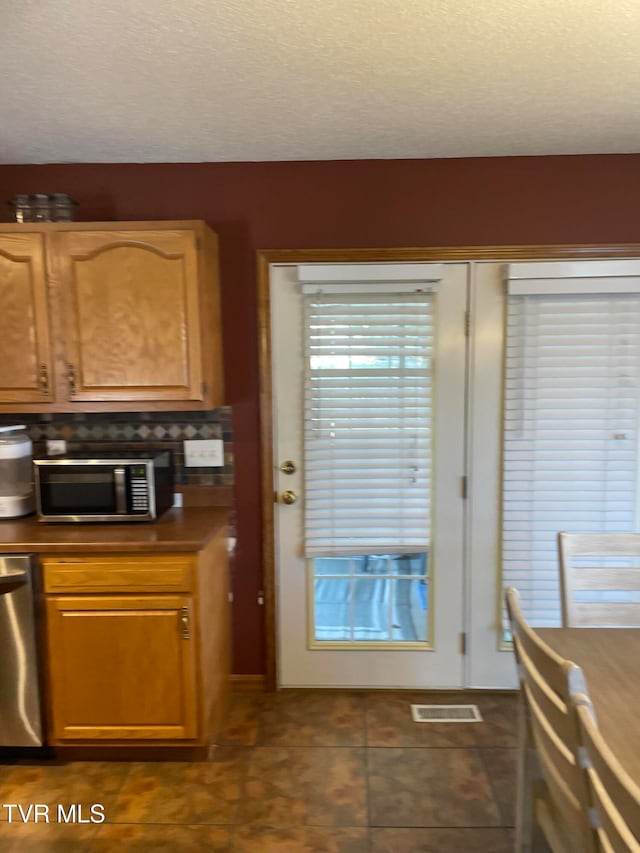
{"points": [[136, 431]]}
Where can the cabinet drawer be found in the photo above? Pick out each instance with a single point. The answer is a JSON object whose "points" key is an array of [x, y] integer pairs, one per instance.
{"points": [[118, 574]]}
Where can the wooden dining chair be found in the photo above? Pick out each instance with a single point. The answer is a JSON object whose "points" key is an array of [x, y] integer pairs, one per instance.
{"points": [[592, 575], [615, 797], [558, 799]]}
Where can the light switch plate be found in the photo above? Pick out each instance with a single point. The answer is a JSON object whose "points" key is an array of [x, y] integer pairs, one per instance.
{"points": [[204, 453]]}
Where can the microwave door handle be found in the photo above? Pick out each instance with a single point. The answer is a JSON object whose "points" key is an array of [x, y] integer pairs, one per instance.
{"points": [[121, 491]]}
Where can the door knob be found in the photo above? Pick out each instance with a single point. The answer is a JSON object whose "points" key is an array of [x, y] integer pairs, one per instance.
{"points": [[288, 467], [288, 497]]}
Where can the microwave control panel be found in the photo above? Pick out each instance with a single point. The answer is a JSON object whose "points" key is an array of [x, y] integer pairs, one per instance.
{"points": [[139, 489]]}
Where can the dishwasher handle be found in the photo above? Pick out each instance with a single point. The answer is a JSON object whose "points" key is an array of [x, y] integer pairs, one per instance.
{"points": [[12, 581]]}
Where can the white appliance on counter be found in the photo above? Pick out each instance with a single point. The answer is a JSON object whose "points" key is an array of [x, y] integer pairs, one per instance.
{"points": [[16, 472]]}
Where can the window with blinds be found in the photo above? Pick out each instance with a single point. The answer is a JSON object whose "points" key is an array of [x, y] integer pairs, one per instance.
{"points": [[571, 401], [367, 420]]}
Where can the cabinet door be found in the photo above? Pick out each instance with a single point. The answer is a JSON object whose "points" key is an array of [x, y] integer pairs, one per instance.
{"points": [[132, 318], [25, 357], [121, 668]]}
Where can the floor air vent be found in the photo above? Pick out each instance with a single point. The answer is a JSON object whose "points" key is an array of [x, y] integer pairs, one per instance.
{"points": [[445, 714]]}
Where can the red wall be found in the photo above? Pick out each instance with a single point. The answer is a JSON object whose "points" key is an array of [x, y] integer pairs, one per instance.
{"points": [[367, 204]]}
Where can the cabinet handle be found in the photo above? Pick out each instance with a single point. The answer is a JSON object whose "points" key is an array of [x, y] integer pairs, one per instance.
{"points": [[44, 379], [71, 376], [184, 621]]}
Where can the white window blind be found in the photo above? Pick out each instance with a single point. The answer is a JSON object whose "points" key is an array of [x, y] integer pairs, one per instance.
{"points": [[571, 397], [368, 420]]}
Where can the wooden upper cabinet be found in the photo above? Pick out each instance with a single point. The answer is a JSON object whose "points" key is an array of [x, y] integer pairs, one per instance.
{"points": [[132, 317], [25, 353], [134, 314]]}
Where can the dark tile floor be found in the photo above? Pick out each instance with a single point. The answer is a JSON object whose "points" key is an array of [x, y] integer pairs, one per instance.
{"points": [[330, 771]]}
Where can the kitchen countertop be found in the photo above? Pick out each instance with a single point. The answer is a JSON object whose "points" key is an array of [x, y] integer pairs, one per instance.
{"points": [[176, 531]]}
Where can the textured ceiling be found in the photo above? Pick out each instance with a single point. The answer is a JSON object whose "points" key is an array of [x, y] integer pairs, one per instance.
{"points": [[216, 80]]}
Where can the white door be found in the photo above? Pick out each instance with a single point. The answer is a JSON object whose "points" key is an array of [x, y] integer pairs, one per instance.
{"points": [[388, 613]]}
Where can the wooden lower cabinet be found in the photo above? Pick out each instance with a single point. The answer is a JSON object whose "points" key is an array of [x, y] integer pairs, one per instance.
{"points": [[122, 668], [129, 662]]}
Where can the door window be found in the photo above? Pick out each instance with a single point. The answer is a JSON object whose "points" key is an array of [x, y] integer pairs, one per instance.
{"points": [[571, 409], [367, 462]]}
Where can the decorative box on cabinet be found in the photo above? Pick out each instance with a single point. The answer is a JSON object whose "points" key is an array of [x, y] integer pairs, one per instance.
{"points": [[137, 647], [109, 316]]}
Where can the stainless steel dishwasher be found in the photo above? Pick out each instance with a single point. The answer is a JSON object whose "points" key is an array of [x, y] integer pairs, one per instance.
{"points": [[20, 716]]}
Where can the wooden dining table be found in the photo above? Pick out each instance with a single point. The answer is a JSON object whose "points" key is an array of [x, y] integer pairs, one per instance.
{"points": [[610, 660]]}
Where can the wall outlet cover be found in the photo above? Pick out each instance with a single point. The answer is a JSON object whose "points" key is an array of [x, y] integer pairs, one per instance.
{"points": [[56, 447], [204, 453]]}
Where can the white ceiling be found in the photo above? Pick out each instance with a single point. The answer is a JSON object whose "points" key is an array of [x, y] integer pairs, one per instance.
{"points": [[237, 80]]}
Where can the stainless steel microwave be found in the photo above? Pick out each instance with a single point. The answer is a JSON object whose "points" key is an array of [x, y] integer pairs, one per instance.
{"points": [[105, 487]]}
